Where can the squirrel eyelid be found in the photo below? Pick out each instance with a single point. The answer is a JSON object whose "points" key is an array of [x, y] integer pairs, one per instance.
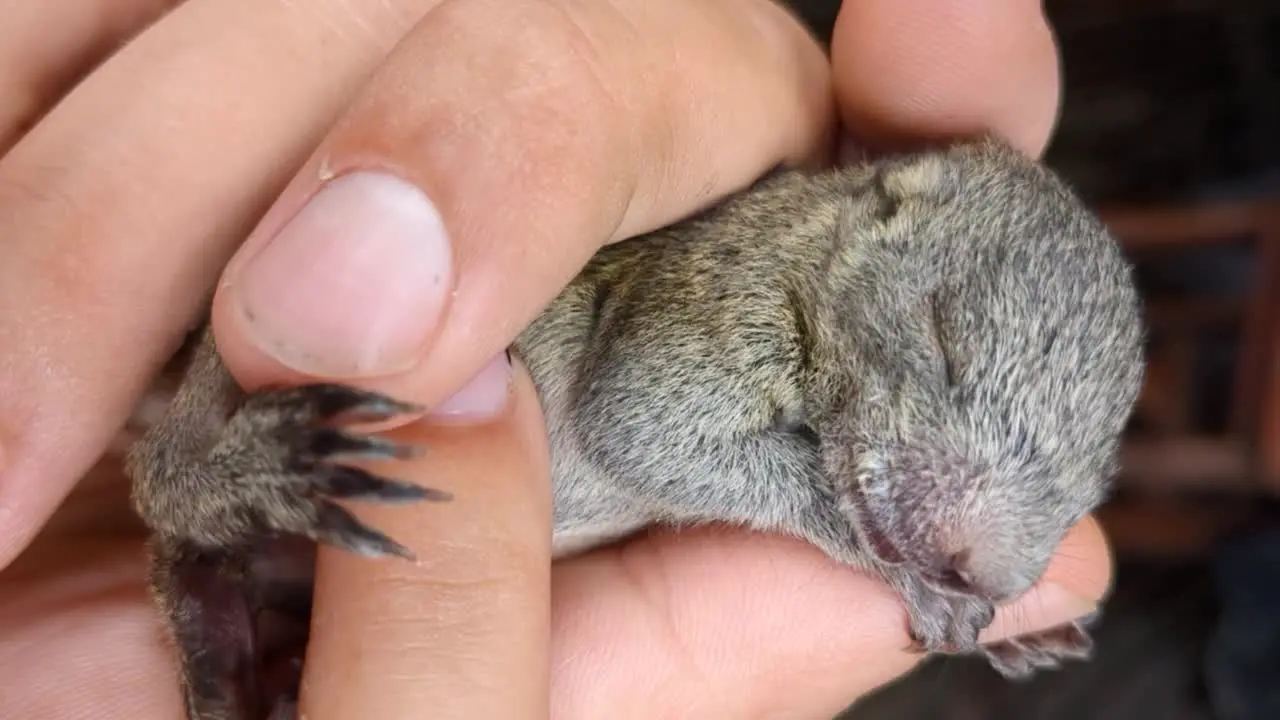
{"points": [[947, 371], [793, 422], [806, 433]]}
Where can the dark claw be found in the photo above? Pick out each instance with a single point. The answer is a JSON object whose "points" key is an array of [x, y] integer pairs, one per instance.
{"points": [[353, 405], [341, 529], [336, 444], [352, 483]]}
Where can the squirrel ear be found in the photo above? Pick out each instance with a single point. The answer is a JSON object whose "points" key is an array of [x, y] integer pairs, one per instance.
{"points": [[932, 176], [922, 179]]}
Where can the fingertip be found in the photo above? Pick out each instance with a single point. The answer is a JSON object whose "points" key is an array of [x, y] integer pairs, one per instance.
{"points": [[463, 629], [352, 285], [1074, 585], [1083, 562], [908, 71]]}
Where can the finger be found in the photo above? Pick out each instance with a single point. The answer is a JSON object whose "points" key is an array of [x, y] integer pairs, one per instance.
{"points": [[79, 637], [907, 71], [453, 202], [716, 623], [45, 47], [1073, 585], [461, 633], [125, 201]]}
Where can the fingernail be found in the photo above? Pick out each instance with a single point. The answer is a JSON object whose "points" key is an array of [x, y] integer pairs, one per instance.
{"points": [[354, 284], [483, 398]]}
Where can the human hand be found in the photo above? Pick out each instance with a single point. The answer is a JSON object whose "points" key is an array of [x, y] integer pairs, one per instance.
{"points": [[540, 129], [707, 623], [500, 185]]}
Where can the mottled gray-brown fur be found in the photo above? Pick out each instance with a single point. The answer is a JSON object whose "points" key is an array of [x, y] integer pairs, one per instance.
{"points": [[921, 365]]}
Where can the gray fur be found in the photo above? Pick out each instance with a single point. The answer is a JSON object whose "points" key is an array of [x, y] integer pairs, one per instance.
{"points": [[922, 366]]}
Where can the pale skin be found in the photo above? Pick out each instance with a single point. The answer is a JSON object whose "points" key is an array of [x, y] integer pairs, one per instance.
{"points": [[99, 279]]}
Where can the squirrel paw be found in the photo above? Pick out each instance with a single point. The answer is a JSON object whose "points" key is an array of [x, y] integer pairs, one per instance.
{"points": [[279, 455], [940, 621], [948, 623], [1021, 657], [275, 472], [235, 532]]}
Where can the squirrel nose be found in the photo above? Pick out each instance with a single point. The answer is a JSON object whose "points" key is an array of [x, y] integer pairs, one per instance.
{"points": [[973, 572]]}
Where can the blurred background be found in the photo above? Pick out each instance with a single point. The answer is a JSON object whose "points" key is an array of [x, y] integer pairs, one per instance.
{"points": [[1171, 127]]}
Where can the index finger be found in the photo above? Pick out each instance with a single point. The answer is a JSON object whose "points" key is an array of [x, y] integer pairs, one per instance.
{"points": [[463, 631]]}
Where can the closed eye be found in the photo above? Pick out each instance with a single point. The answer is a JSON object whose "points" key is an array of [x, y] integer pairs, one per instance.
{"points": [[793, 423], [948, 371], [806, 433]]}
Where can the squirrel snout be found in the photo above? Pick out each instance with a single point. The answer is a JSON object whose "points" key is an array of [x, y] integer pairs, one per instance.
{"points": [[984, 574], [955, 571], [914, 505]]}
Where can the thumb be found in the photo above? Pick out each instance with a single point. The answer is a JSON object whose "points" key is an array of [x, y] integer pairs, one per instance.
{"points": [[448, 207]]}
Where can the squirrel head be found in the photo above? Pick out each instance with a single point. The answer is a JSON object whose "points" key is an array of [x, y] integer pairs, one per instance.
{"points": [[977, 354]]}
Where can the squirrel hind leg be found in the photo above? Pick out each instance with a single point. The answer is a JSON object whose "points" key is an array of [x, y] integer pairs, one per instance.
{"points": [[240, 622]]}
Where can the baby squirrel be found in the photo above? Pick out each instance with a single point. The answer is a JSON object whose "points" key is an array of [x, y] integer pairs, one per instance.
{"points": [[921, 365]]}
